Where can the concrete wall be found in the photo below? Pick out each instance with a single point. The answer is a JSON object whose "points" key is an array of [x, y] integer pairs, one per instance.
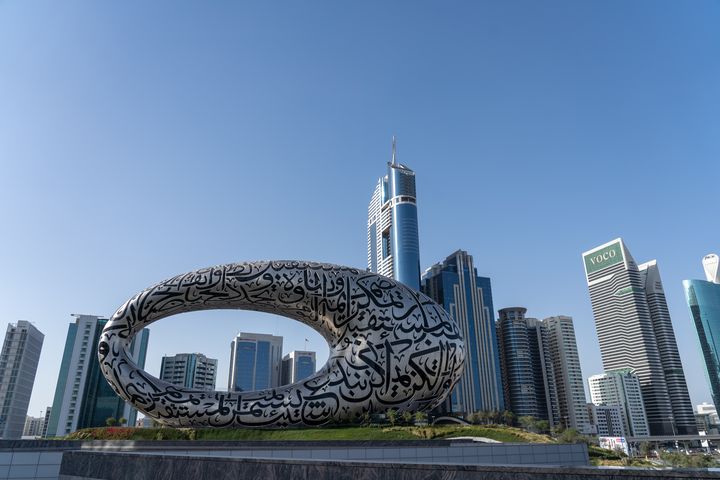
{"points": [[90, 465], [34, 464]]}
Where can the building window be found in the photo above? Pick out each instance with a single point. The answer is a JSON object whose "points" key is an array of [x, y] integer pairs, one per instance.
{"points": [[386, 251]]}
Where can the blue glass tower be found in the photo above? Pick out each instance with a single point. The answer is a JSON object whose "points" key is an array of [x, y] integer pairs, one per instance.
{"points": [[467, 297], [255, 362], [703, 298], [297, 365], [393, 245]]}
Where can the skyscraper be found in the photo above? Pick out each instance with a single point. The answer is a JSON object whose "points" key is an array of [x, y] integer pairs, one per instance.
{"points": [[393, 245], [563, 353], [703, 298], [621, 388], [634, 331], [189, 370], [527, 372], [467, 297], [83, 398], [18, 364], [297, 365], [541, 369], [255, 361]]}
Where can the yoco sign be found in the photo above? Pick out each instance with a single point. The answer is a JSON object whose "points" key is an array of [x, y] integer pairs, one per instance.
{"points": [[603, 258]]}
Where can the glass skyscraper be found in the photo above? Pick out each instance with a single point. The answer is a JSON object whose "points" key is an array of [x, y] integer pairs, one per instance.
{"points": [[297, 365], [541, 369], [703, 298], [528, 376], [393, 245], [255, 362], [634, 330], [18, 365], [467, 297], [83, 398]]}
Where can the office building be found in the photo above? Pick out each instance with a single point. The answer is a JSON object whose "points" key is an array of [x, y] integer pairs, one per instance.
{"points": [[563, 353], [189, 370], [33, 427], [606, 420], [703, 299], [18, 364], [622, 388], [707, 419], [393, 245], [46, 421], [297, 365], [83, 398], [528, 376], [541, 369], [467, 297], [634, 330], [255, 362]]}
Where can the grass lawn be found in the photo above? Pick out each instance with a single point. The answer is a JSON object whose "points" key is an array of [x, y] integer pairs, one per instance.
{"points": [[500, 433]]}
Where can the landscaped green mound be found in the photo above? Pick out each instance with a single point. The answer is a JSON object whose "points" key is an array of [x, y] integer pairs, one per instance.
{"points": [[493, 432]]}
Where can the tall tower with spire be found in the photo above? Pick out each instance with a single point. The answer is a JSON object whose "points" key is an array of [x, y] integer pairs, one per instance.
{"points": [[393, 245]]}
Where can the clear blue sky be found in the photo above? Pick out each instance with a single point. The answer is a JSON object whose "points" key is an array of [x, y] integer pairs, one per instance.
{"points": [[139, 140]]}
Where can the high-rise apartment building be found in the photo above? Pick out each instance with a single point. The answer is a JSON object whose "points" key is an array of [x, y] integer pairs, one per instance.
{"points": [[622, 388], [33, 427], [528, 376], [297, 365], [607, 420], [189, 370], [393, 244], [634, 331], [467, 297], [46, 422], [255, 362], [541, 369], [703, 298], [563, 353], [83, 398], [18, 364]]}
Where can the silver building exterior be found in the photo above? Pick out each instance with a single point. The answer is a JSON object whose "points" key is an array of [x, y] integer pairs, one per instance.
{"points": [[297, 365], [18, 365], [467, 297], [634, 331], [255, 362], [621, 388], [189, 370], [563, 353], [83, 398], [390, 346], [392, 228]]}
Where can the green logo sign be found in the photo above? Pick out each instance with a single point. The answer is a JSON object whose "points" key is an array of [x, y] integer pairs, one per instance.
{"points": [[603, 258]]}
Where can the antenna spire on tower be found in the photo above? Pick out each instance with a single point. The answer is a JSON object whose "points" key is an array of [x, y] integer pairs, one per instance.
{"points": [[393, 150]]}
